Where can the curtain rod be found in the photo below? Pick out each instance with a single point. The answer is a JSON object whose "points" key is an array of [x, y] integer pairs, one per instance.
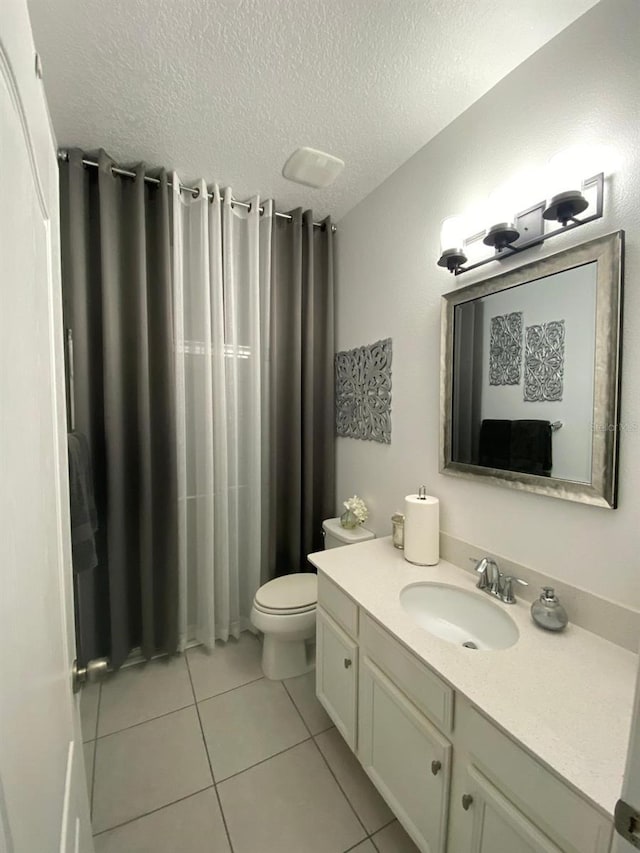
{"points": [[195, 191]]}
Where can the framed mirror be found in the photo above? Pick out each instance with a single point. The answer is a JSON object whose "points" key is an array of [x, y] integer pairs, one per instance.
{"points": [[530, 373]]}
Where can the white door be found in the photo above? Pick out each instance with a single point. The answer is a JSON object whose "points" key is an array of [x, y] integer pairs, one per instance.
{"points": [[631, 786], [43, 798]]}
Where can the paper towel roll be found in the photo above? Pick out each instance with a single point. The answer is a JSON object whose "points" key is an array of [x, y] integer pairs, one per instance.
{"points": [[422, 530]]}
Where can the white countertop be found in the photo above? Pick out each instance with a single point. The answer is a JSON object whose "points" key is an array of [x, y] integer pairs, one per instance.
{"points": [[566, 697]]}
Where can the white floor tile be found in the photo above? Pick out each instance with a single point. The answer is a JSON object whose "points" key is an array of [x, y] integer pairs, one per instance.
{"points": [[249, 724], [303, 692], [142, 692], [289, 804], [193, 825], [360, 790], [229, 665], [148, 766], [393, 839], [89, 698]]}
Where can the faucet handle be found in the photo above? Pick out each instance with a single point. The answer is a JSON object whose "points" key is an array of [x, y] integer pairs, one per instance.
{"points": [[506, 588], [481, 568]]}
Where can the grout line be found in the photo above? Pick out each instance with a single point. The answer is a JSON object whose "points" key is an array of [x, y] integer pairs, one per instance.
{"points": [[304, 722], [263, 760], [93, 778], [394, 819], [230, 690], [355, 846], [95, 751], [206, 752], [153, 811], [344, 793], [142, 722], [366, 831]]}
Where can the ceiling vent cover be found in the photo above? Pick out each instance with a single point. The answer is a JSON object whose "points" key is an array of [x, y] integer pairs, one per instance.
{"points": [[312, 168]]}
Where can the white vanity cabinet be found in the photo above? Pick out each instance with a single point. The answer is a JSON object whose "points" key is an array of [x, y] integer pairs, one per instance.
{"points": [[456, 782]]}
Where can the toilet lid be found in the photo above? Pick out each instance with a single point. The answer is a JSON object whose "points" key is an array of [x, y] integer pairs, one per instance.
{"points": [[290, 592]]}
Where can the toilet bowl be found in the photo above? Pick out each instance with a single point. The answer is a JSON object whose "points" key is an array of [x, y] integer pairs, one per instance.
{"points": [[284, 609]]}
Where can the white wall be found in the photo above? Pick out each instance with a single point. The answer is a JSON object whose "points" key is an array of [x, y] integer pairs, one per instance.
{"points": [[568, 296], [581, 87]]}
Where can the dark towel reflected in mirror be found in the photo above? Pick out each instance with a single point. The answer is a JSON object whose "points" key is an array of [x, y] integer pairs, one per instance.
{"points": [[522, 445]]}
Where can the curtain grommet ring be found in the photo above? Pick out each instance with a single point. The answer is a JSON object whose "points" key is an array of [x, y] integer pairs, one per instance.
{"points": [[195, 192]]}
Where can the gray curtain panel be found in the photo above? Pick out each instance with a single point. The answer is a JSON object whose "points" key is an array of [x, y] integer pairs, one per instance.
{"points": [[301, 393], [116, 271]]}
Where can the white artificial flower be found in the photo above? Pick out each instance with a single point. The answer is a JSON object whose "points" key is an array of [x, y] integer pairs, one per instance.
{"points": [[358, 507]]}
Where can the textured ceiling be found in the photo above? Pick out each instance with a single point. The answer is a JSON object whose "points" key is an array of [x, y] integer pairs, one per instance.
{"points": [[227, 89]]}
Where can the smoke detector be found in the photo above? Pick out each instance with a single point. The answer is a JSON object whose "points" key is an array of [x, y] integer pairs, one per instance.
{"points": [[312, 168]]}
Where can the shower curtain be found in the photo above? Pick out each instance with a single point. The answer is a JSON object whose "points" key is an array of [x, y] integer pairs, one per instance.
{"points": [[116, 268], [221, 301], [254, 332], [203, 362]]}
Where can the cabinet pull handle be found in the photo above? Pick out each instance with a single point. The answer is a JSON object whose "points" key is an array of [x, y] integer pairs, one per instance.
{"points": [[347, 663], [467, 799], [436, 767]]}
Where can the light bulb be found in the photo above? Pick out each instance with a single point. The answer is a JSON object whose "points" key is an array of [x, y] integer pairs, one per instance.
{"points": [[500, 206], [451, 233]]}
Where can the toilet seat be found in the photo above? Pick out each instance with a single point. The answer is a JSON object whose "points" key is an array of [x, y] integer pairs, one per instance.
{"points": [[288, 595], [284, 611]]}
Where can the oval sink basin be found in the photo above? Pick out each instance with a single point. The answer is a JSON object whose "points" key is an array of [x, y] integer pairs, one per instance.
{"points": [[459, 616]]}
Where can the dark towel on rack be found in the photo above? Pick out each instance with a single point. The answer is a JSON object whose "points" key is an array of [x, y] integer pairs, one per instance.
{"points": [[531, 447], [495, 444], [84, 519]]}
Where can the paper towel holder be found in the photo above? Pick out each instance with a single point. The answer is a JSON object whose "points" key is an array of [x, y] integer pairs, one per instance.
{"points": [[422, 493]]}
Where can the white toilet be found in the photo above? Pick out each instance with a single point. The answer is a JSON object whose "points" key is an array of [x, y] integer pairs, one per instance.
{"points": [[284, 609]]}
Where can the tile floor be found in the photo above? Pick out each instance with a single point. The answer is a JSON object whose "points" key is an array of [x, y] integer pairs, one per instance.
{"points": [[201, 754]]}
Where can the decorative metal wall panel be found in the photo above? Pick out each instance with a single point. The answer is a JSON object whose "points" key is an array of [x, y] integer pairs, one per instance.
{"points": [[544, 362], [505, 350], [363, 392]]}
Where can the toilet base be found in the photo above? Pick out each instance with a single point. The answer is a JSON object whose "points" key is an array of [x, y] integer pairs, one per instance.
{"points": [[282, 659]]}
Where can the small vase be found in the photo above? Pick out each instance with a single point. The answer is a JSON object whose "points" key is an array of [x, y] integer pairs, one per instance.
{"points": [[349, 520]]}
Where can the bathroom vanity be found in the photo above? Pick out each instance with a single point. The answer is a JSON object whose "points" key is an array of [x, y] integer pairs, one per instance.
{"points": [[513, 750]]}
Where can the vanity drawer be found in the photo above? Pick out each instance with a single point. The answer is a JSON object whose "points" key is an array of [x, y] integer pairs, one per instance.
{"points": [[338, 604], [432, 695], [575, 825]]}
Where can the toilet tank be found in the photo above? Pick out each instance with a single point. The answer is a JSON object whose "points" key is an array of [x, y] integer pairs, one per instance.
{"points": [[335, 535]]}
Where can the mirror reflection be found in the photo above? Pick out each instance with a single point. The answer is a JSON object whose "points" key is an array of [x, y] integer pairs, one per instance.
{"points": [[523, 377]]}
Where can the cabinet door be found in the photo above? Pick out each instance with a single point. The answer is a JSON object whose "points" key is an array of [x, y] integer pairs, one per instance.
{"points": [[337, 675], [498, 826], [408, 760]]}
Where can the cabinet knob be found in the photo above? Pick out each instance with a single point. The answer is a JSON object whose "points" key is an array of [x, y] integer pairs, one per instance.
{"points": [[467, 799], [347, 663], [436, 767]]}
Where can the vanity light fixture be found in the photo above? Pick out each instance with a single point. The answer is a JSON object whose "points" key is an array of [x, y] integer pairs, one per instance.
{"points": [[508, 234]]}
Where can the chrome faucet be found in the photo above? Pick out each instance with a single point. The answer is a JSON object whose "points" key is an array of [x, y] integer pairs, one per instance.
{"points": [[494, 582]]}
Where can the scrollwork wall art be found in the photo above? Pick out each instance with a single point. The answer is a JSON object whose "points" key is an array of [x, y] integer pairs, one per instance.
{"points": [[505, 349], [544, 362], [363, 392]]}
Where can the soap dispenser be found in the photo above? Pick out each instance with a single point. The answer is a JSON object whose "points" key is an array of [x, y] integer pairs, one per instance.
{"points": [[547, 612]]}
